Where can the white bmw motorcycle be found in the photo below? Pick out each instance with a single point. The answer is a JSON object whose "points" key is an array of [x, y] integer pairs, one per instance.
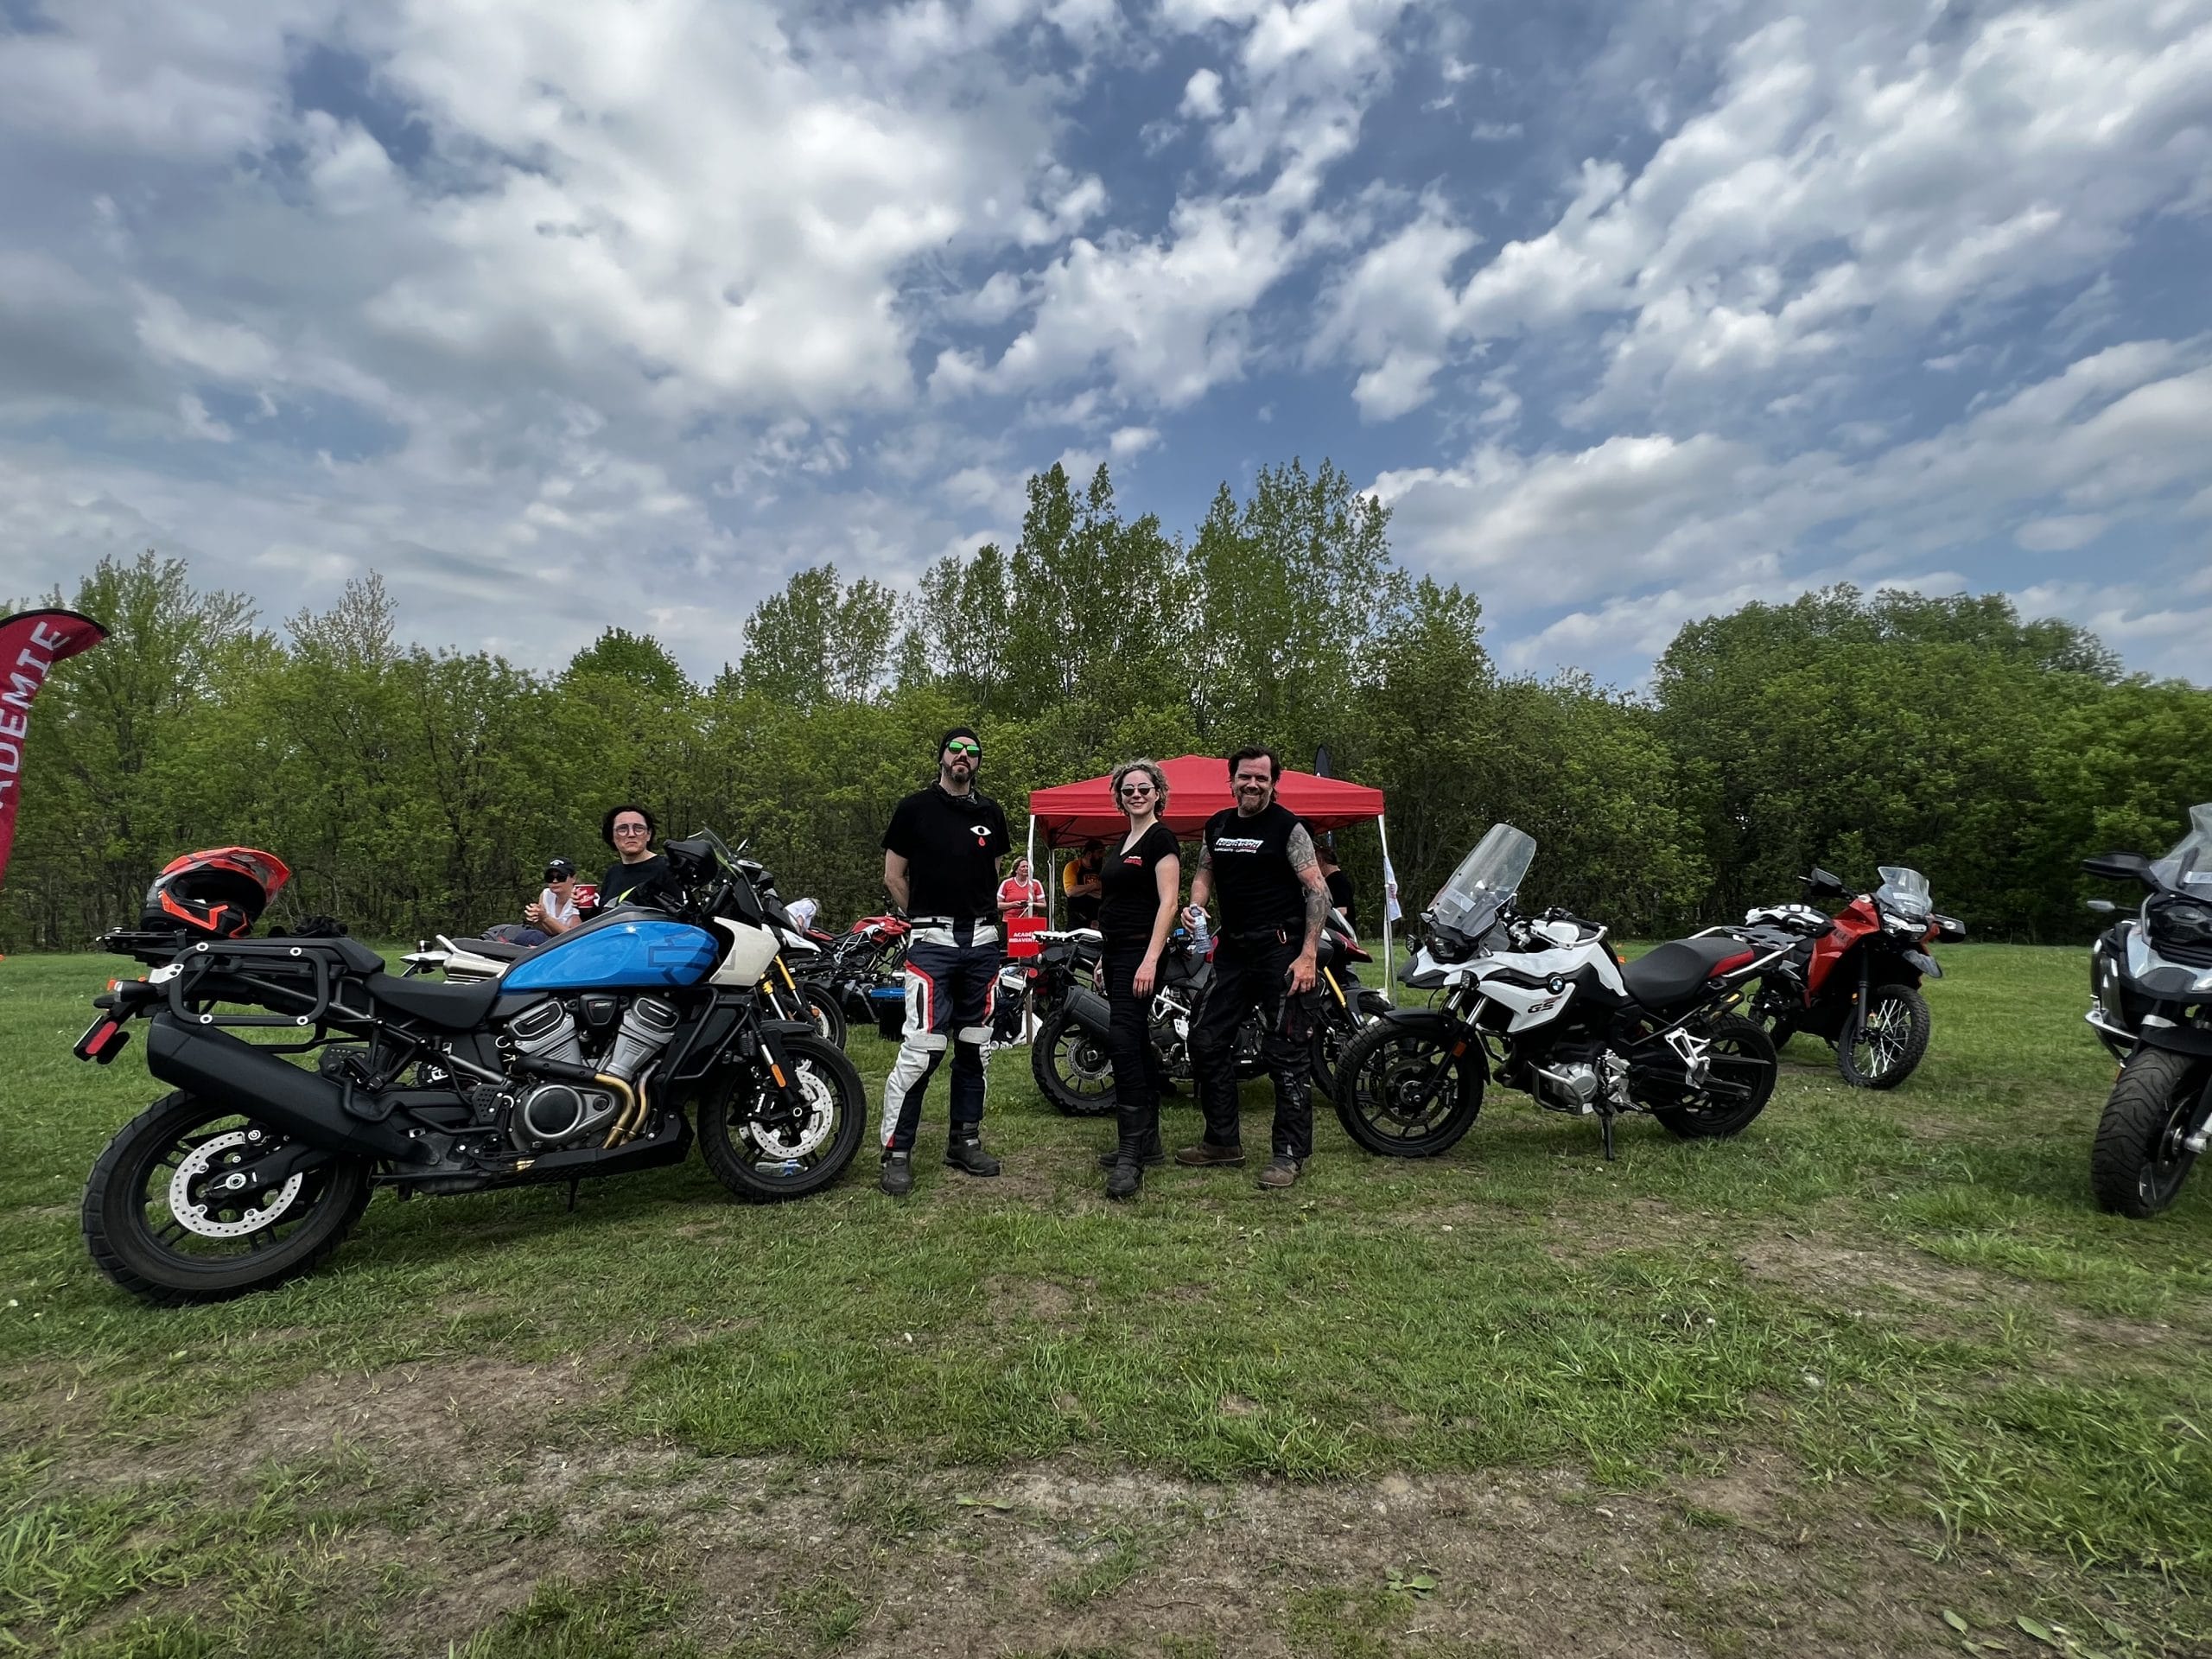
{"points": [[1546, 1005]]}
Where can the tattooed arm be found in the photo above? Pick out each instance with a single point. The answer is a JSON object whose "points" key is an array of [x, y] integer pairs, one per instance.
{"points": [[1201, 883], [1308, 867]]}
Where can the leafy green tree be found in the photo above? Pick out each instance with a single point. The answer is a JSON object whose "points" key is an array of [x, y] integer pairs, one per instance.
{"points": [[820, 638]]}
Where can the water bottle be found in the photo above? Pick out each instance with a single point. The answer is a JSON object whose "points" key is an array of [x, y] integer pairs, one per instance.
{"points": [[1197, 920]]}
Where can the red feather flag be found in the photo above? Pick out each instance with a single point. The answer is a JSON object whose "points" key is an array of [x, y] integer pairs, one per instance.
{"points": [[31, 643]]}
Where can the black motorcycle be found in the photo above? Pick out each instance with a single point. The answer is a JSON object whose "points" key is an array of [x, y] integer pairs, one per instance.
{"points": [[2151, 1005], [1069, 1058], [587, 1058]]}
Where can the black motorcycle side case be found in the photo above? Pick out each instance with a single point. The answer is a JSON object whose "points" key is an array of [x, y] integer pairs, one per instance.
{"points": [[1089, 1009]]}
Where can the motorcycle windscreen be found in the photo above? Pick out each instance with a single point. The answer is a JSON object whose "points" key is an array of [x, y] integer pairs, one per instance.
{"points": [[632, 955], [1903, 892], [2188, 865], [1486, 878]]}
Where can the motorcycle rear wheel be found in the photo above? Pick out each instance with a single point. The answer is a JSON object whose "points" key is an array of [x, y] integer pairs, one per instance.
{"points": [[1886, 1045], [751, 1164], [1402, 1092], [2137, 1164], [1072, 1067], [226, 1246], [1743, 1068]]}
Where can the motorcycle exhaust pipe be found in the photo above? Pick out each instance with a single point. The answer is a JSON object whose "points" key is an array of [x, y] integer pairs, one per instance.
{"points": [[218, 1067], [1089, 1009]]}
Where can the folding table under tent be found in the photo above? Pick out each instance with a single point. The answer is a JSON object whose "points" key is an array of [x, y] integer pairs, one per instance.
{"points": [[1198, 787]]}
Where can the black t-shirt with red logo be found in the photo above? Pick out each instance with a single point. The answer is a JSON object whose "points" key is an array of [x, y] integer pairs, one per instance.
{"points": [[1130, 885], [952, 845]]}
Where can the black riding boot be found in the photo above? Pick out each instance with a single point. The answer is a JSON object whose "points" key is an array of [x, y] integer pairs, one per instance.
{"points": [[1127, 1174], [1150, 1152]]}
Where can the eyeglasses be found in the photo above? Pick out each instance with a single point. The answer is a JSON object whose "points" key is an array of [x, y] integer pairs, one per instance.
{"points": [[1136, 791], [962, 746], [630, 829]]}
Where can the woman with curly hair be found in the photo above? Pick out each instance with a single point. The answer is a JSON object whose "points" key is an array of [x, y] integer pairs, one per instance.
{"points": [[1139, 879]]}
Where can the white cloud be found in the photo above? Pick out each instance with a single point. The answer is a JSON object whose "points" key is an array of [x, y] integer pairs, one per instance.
{"points": [[1201, 95], [1133, 441], [1854, 174], [2117, 439]]}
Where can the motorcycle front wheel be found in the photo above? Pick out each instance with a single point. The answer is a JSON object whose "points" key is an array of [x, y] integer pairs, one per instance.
{"points": [[820, 1003], [2139, 1162], [162, 1222], [1886, 1045], [757, 1151], [1072, 1067], [1409, 1086], [1335, 1029]]}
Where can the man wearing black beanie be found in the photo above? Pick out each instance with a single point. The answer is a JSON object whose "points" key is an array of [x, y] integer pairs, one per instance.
{"points": [[941, 864]]}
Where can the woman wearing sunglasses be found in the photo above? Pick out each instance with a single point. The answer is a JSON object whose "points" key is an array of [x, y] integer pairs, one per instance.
{"points": [[1140, 876]]}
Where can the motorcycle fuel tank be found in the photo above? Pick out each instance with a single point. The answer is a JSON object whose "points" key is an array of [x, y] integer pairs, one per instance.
{"points": [[630, 955]]}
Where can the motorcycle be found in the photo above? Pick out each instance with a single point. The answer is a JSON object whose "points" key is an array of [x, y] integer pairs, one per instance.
{"points": [[580, 1059], [1853, 979], [1069, 1059], [787, 996], [2151, 1005], [862, 969], [1546, 1005]]}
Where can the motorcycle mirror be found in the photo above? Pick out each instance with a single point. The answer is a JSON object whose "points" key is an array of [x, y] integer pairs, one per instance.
{"points": [[1824, 882], [2103, 906]]}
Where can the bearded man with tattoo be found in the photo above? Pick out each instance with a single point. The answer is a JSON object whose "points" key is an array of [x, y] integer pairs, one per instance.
{"points": [[1273, 901]]}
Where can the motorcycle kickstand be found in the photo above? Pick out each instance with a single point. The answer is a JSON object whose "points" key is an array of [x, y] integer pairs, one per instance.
{"points": [[1605, 1130], [573, 1179]]}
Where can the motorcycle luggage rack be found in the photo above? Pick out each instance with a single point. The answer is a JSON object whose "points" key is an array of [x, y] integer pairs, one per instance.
{"points": [[262, 967]]}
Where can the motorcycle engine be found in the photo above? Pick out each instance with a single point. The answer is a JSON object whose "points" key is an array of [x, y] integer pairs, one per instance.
{"points": [[553, 1113]]}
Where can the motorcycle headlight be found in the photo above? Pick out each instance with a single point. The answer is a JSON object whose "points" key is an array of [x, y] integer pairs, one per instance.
{"points": [[2180, 925]]}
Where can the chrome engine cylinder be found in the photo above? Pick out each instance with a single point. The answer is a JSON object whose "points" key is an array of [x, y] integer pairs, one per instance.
{"points": [[546, 1030], [644, 1031]]}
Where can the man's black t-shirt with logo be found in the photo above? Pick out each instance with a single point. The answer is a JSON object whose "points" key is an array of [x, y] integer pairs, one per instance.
{"points": [[1257, 888], [952, 845], [1131, 884]]}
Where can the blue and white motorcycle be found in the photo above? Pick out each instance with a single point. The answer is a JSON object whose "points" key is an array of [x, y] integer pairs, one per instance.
{"points": [[588, 1056]]}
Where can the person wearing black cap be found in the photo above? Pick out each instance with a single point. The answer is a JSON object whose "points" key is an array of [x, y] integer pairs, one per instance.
{"points": [[941, 865], [555, 911]]}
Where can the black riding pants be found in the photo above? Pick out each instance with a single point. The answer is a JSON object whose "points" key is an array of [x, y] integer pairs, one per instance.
{"points": [[1128, 1045], [1248, 975]]}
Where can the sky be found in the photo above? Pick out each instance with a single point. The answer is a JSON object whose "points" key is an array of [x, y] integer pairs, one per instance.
{"points": [[568, 313]]}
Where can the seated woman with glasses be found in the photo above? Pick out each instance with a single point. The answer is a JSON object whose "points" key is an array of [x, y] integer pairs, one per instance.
{"points": [[637, 870], [1139, 879]]}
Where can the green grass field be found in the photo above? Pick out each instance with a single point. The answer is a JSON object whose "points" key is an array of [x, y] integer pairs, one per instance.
{"points": [[1875, 1378]]}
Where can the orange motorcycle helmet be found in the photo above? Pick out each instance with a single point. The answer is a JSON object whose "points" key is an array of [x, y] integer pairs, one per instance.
{"points": [[218, 893]]}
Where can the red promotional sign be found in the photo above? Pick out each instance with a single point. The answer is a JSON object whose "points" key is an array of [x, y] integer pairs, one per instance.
{"points": [[31, 643]]}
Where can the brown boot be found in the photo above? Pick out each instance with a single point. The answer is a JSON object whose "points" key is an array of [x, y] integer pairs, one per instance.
{"points": [[1281, 1171], [1205, 1156]]}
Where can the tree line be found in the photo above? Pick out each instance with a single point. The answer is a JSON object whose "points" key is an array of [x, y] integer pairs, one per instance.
{"points": [[414, 790]]}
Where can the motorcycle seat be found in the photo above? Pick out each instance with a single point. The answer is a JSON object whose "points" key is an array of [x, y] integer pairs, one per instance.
{"points": [[494, 950], [1675, 973], [446, 1005]]}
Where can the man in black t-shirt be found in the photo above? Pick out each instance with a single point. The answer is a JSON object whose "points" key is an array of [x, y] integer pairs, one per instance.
{"points": [[941, 864], [1272, 904]]}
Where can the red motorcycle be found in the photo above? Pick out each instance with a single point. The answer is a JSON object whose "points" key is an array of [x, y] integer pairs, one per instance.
{"points": [[1853, 979], [862, 968]]}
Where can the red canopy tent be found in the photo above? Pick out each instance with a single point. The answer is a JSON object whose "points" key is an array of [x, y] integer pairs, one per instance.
{"points": [[1198, 787]]}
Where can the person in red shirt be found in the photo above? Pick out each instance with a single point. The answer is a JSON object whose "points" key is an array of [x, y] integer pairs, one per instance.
{"points": [[1022, 894]]}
